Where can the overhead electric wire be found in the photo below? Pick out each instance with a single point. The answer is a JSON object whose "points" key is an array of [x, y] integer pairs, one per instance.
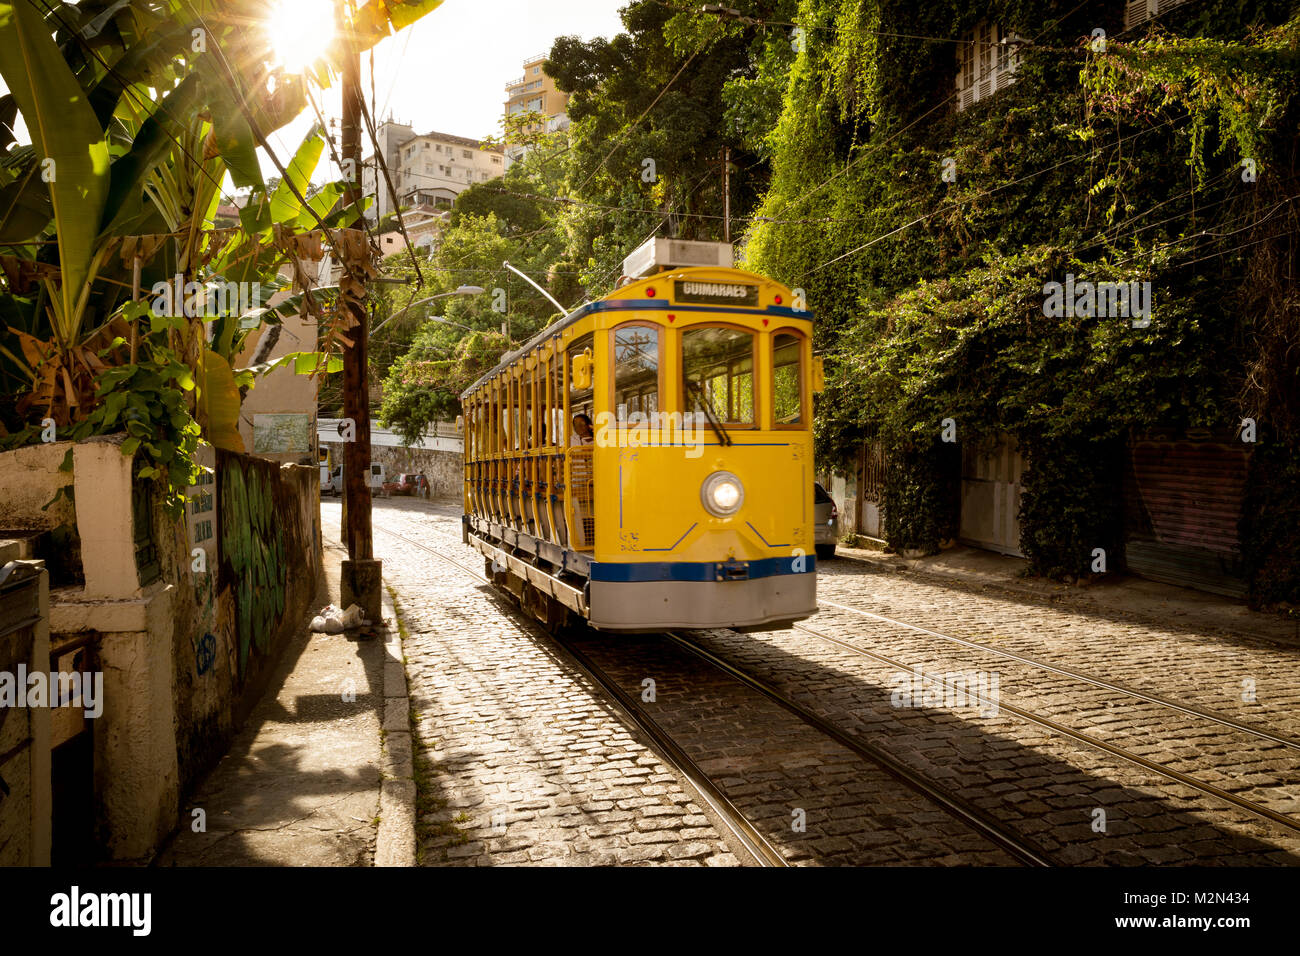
{"points": [[871, 148], [980, 195], [381, 164]]}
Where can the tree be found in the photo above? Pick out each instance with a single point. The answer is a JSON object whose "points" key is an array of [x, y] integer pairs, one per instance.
{"points": [[511, 219], [138, 112], [647, 145]]}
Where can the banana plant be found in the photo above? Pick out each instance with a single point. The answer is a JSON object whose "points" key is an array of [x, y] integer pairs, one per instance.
{"points": [[141, 110]]}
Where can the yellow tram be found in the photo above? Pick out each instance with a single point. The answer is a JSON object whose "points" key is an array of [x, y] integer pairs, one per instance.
{"points": [[646, 462]]}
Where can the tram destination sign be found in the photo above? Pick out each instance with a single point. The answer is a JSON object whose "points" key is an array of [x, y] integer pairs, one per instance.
{"points": [[715, 293]]}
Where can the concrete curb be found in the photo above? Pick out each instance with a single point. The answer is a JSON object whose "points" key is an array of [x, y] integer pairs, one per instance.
{"points": [[395, 843]]}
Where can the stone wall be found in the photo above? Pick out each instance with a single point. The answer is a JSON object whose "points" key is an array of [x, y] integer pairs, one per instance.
{"points": [[262, 582], [445, 469]]}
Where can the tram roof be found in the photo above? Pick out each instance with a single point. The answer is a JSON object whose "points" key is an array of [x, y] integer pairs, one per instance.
{"points": [[551, 330], [599, 305]]}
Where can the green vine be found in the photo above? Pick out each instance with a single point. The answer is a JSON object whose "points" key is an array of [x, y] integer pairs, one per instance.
{"points": [[149, 399]]}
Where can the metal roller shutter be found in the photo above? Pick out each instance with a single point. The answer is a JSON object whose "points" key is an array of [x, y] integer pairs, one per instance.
{"points": [[1182, 503]]}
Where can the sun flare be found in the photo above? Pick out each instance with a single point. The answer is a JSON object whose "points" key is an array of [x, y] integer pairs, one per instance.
{"points": [[300, 31]]}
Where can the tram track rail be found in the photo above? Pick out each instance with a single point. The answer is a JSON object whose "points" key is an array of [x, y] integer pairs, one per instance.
{"points": [[997, 833], [746, 834], [1115, 686], [1006, 836], [1194, 783]]}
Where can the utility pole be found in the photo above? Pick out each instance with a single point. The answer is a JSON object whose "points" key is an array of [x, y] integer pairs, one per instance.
{"points": [[362, 575], [726, 194]]}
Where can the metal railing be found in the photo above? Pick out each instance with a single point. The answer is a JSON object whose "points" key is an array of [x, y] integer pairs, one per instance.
{"points": [[581, 498]]}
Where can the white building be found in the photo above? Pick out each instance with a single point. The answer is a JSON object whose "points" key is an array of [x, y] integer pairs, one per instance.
{"points": [[429, 169], [423, 227]]}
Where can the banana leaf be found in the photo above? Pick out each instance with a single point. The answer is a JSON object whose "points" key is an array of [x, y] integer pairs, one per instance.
{"points": [[284, 203], [64, 129], [218, 403]]}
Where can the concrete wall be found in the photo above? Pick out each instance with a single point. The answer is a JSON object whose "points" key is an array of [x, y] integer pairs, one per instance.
{"points": [[183, 653], [282, 392], [29, 478]]}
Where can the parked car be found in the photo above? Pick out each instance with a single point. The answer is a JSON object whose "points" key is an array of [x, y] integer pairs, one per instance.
{"points": [[827, 516], [407, 483]]}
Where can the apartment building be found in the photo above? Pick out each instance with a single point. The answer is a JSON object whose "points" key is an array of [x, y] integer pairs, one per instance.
{"points": [[535, 92], [427, 169]]}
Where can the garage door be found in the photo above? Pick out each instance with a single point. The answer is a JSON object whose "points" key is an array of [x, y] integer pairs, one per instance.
{"points": [[990, 497], [1182, 502]]}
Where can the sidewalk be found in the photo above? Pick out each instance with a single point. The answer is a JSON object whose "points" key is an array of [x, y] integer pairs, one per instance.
{"points": [[1112, 594], [301, 783]]}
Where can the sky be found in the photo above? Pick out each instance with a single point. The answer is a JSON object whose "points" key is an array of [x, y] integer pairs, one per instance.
{"points": [[448, 71]]}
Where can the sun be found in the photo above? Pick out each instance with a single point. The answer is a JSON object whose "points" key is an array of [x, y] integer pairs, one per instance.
{"points": [[300, 31]]}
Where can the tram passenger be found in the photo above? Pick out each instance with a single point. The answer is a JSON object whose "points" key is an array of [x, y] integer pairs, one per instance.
{"points": [[582, 432], [581, 476]]}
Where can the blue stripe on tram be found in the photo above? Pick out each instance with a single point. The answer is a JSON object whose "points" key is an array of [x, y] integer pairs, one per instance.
{"points": [[699, 570]]}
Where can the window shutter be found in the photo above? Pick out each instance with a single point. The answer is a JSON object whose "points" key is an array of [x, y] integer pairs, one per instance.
{"points": [[984, 64], [1139, 11]]}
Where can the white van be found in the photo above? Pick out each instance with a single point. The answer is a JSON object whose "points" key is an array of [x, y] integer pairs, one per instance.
{"points": [[331, 482]]}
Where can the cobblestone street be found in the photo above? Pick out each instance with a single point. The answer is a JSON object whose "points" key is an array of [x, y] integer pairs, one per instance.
{"points": [[1102, 737]]}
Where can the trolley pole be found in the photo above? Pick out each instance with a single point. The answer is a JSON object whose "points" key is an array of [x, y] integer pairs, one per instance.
{"points": [[362, 575]]}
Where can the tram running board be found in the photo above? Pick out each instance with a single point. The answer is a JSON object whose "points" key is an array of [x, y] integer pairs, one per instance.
{"points": [[549, 585]]}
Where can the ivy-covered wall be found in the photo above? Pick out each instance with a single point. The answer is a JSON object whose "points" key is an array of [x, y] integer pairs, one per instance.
{"points": [[1117, 164]]}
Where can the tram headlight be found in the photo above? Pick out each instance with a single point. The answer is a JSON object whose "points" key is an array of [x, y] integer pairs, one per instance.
{"points": [[722, 494]]}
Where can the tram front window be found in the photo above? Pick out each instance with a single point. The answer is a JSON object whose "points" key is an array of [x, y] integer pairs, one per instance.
{"points": [[718, 374]]}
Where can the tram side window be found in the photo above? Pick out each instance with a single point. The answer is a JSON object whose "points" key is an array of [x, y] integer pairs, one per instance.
{"points": [[558, 428], [580, 399], [718, 372], [787, 395], [636, 371]]}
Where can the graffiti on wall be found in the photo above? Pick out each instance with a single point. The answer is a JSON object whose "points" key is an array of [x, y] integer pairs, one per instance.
{"points": [[205, 653], [252, 550]]}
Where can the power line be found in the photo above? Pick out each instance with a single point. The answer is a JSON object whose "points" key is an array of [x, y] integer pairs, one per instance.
{"points": [[646, 111], [980, 195], [1196, 237], [874, 147], [764, 23]]}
